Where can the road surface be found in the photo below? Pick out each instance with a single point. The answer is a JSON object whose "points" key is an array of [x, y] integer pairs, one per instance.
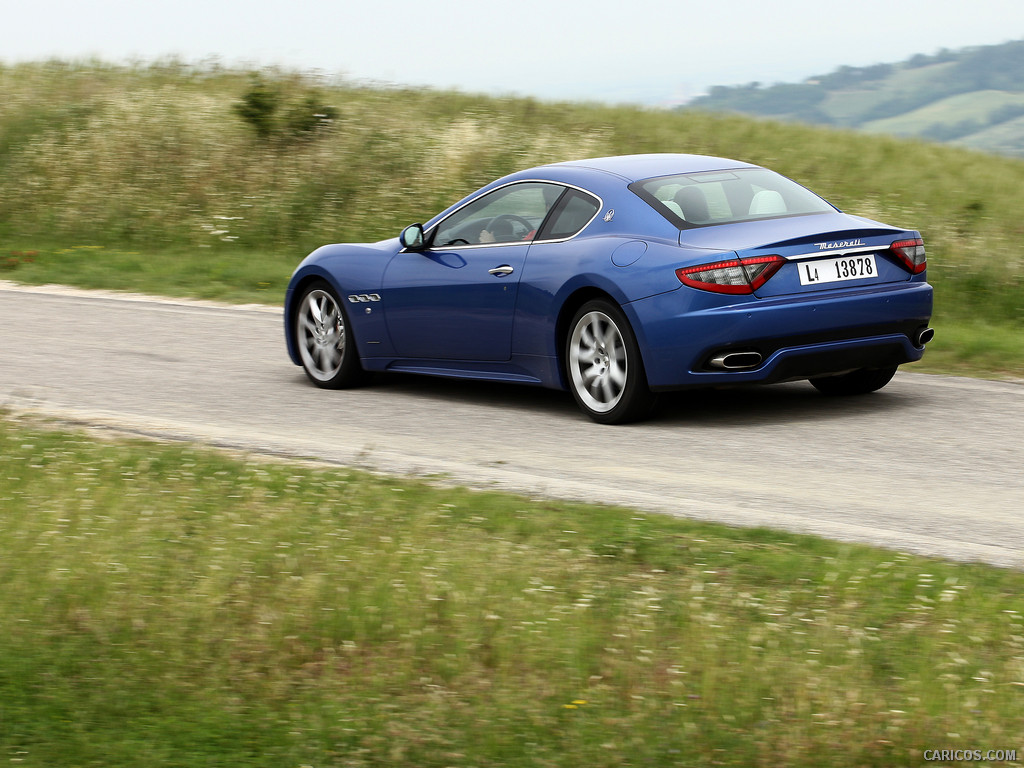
{"points": [[930, 464]]}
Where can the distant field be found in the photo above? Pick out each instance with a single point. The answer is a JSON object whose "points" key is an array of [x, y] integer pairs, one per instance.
{"points": [[152, 178], [1002, 138], [953, 97], [848, 107], [977, 105]]}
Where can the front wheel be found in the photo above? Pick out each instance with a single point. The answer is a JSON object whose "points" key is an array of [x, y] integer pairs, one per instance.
{"points": [[605, 372], [325, 343], [855, 382]]}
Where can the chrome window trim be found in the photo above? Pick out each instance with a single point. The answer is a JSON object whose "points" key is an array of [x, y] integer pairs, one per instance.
{"points": [[475, 246]]}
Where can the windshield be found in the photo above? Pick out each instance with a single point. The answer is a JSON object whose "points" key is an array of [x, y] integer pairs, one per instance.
{"points": [[724, 197]]}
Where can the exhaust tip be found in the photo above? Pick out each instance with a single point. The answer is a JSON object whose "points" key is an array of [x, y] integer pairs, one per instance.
{"points": [[736, 361], [924, 336]]}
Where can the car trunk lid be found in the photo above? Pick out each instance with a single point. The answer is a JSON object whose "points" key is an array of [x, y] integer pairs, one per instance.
{"points": [[842, 252]]}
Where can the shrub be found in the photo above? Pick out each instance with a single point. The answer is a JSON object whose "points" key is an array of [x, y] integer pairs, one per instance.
{"points": [[258, 106], [308, 117], [262, 106]]}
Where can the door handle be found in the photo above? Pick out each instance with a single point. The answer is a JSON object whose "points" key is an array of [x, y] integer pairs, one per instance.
{"points": [[501, 271]]}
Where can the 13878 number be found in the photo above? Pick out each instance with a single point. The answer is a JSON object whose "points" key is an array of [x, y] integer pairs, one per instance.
{"points": [[835, 270]]}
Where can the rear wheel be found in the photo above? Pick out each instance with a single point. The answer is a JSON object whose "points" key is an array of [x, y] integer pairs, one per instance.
{"points": [[605, 372], [325, 343], [856, 382]]}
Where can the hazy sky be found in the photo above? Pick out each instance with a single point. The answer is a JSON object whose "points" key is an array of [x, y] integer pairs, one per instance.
{"points": [[626, 50]]}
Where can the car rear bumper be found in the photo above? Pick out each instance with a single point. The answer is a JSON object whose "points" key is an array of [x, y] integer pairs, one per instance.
{"points": [[796, 337]]}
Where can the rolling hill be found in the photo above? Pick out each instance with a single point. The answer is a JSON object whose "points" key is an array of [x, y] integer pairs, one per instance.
{"points": [[972, 98]]}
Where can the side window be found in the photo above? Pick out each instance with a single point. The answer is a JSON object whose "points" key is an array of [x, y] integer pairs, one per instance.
{"points": [[511, 214], [573, 213]]}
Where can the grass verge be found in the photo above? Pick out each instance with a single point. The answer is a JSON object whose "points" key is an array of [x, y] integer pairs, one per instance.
{"points": [[167, 605], [974, 348], [231, 276]]}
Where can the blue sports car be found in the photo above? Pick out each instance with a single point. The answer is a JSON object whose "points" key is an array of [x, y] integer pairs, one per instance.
{"points": [[617, 278]]}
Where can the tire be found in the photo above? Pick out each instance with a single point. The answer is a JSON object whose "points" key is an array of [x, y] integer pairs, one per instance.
{"points": [[324, 339], [856, 382], [603, 366]]}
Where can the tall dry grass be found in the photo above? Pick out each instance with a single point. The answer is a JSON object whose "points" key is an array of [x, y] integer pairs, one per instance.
{"points": [[156, 157]]}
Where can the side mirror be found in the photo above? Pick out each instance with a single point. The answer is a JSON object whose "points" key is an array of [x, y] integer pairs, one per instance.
{"points": [[412, 237]]}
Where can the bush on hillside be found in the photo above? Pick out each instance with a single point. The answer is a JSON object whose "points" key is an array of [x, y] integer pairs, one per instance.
{"points": [[263, 108]]}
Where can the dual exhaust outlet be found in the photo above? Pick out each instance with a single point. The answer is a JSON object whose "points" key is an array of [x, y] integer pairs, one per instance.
{"points": [[736, 361], [742, 361]]}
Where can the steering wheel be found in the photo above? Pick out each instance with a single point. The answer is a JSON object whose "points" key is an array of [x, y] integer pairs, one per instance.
{"points": [[510, 217]]}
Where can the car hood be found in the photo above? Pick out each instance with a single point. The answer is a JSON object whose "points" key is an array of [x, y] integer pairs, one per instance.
{"points": [[790, 230], [389, 246]]}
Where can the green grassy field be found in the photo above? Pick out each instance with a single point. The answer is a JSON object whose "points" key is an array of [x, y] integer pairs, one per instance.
{"points": [[166, 605], [148, 179]]}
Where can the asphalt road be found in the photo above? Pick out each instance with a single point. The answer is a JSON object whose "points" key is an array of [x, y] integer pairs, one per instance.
{"points": [[930, 464]]}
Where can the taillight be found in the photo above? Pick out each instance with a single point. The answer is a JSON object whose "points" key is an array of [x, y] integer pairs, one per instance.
{"points": [[911, 253], [732, 275]]}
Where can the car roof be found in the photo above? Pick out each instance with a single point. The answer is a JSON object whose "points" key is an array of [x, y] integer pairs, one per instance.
{"points": [[636, 167]]}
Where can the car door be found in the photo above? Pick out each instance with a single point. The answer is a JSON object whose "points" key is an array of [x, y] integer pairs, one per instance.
{"points": [[456, 299]]}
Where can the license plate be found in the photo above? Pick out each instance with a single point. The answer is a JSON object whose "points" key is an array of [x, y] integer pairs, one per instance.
{"points": [[837, 270]]}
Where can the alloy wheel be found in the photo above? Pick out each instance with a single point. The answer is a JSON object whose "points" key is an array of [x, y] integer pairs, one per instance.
{"points": [[321, 335], [598, 362]]}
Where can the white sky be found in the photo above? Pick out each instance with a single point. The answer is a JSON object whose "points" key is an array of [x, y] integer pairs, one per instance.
{"points": [[650, 51]]}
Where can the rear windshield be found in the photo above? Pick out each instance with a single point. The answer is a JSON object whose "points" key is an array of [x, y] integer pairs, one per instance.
{"points": [[724, 197]]}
